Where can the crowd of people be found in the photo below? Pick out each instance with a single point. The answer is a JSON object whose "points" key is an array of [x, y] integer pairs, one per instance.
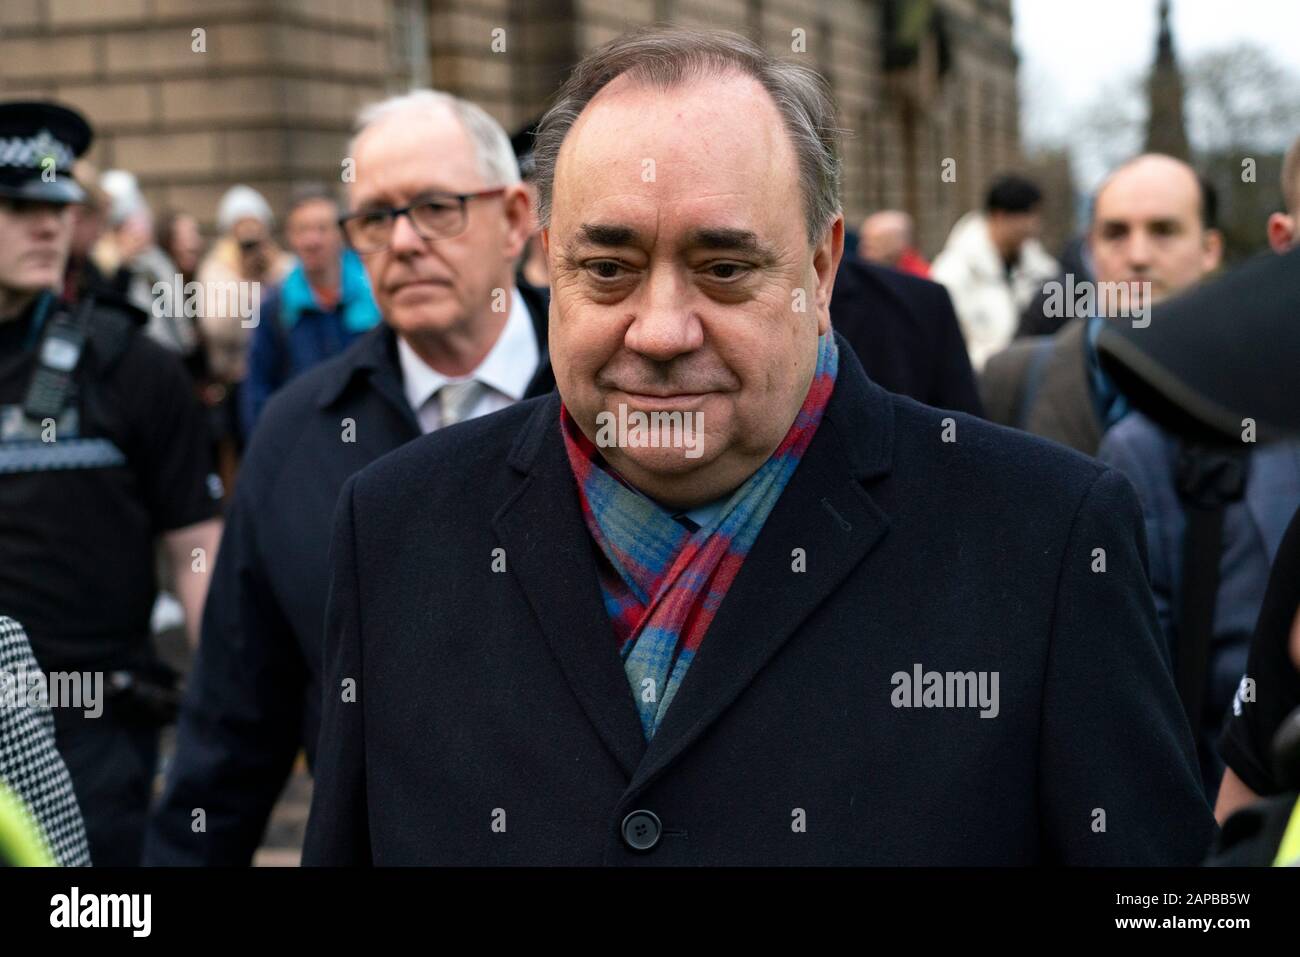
{"points": [[489, 624]]}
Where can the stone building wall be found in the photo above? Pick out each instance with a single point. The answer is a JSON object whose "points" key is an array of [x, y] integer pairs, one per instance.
{"points": [[271, 98]]}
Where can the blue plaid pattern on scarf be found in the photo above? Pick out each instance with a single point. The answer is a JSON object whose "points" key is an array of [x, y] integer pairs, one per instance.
{"points": [[662, 584]]}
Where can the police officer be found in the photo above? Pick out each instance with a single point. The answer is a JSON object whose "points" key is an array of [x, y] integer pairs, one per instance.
{"points": [[103, 451]]}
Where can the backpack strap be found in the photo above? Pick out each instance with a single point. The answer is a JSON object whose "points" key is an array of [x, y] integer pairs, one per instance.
{"points": [[1208, 480]]}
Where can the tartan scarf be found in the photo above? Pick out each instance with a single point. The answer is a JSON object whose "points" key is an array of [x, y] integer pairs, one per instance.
{"points": [[662, 584]]}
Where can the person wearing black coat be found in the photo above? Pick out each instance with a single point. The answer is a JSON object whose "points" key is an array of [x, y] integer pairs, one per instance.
{"points": [[505, 690], [254, 692], [904, 331], [832, 625]]}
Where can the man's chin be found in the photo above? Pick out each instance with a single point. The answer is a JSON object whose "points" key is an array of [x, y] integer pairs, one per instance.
{"points": [[656, 463], [423, 318], [35, 281]]}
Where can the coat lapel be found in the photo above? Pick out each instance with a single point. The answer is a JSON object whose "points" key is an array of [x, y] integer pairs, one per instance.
{"points": [[825, 511], [550, 553]]}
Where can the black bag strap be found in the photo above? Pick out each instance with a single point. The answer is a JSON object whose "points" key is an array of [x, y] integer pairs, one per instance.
{"points": [[1208, 480]]}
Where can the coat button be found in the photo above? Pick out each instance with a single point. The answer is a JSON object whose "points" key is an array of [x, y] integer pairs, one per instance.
{"points": [[641, 830]]}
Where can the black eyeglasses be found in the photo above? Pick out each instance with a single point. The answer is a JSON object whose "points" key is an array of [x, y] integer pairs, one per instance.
{"points": [[433, 216]]}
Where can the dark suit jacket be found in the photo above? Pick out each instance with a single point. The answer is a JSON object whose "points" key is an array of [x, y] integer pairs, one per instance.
{"points": [[458, 697], [1060, 407], [905, 334], [254, 693]]}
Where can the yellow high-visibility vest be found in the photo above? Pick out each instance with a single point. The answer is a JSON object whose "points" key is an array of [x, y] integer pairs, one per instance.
{"points": [[1288, 852], [21, 841]]}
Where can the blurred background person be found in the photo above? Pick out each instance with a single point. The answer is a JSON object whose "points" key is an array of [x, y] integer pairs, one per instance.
{"points": [[1153, 221], [993, 265], [134, 263], [532, 264], [126, 251], [89, 219], [1039, 317], [319, 309], [178, 235], [905, 334], [1284, 226], [1215, 514], [245, 252], [886, 238]]}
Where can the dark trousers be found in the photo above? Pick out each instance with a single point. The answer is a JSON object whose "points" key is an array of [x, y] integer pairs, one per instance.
{"points": [[112, 764]]}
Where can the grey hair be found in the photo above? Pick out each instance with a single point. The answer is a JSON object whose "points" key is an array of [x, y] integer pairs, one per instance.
{"points": [[495, 155], [309, 192], [669, 57]]}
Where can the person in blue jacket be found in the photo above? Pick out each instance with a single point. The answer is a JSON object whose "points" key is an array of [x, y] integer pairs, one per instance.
{"points": [[319, 309]]}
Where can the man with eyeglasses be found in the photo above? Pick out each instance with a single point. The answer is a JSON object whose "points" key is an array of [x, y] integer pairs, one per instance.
{"points": [[438, 217]]}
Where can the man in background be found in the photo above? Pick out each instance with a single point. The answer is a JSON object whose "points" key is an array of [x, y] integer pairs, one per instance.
{"points": [[993, 265], [439, 217], [905, 334], [1251, 515], [1152, 235], [320, 308], [886, 239]]}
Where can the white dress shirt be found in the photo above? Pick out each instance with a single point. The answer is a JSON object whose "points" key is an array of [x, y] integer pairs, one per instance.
{"points": [[505, 371]]}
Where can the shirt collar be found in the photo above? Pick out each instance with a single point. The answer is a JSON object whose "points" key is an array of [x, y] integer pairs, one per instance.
{"points": [[507, 368], [703, 515]]}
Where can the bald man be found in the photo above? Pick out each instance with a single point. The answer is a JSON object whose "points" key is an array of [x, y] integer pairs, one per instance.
{"points": [[886, 240], [1254, 518], [1152, 235]]}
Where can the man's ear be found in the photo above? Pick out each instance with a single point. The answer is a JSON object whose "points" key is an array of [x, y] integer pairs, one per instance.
{"points": [[519, 221], [1281, 232], [826, 262], [1212, 254]]}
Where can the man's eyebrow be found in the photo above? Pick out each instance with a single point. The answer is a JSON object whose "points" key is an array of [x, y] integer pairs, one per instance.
{"points": [[736, 240], [607, 234], [709, 237]]}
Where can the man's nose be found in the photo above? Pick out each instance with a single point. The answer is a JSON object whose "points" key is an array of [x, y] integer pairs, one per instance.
{"points": [[664, 326], [1139, 251], [405, 240], [47, 220]]}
